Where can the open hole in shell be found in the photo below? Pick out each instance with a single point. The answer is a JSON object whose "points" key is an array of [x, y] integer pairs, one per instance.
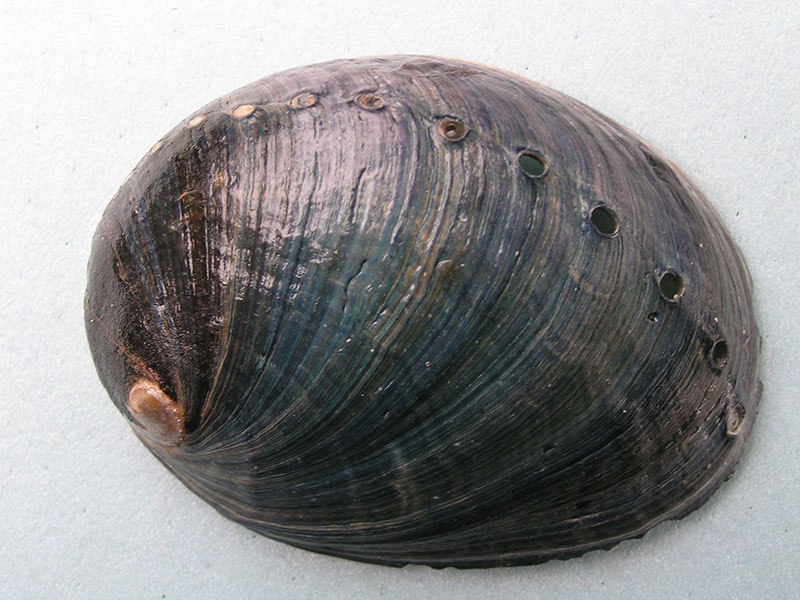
{"points": [[671, 286], [719, 354], [452, 130], [370, 101], [604, 221], [532, 164]]}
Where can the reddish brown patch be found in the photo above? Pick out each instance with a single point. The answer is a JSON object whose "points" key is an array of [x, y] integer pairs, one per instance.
{"points": [[155, 415]]}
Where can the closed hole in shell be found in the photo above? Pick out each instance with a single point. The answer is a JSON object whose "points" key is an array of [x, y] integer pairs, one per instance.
{"points": [[671, 286], [532, 164], [452, 130], [370, 101], [604, 221], [303, 100], [719, 354], [244, 111], [734, 420]]}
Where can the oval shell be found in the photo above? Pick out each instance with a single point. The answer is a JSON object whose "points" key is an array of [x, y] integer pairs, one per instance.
{"points": [[414, 310]]}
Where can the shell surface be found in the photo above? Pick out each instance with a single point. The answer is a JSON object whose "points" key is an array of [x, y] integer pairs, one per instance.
{"points": [[414, 310]]}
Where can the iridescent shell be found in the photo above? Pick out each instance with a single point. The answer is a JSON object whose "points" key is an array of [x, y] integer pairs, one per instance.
{"points": [[414, 310]]}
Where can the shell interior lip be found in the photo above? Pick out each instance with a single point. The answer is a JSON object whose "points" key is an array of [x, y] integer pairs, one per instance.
{"points": [[414, 310]]}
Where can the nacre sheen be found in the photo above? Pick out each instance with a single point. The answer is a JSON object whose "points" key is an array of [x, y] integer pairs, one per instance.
{"points": [[414, 310]]}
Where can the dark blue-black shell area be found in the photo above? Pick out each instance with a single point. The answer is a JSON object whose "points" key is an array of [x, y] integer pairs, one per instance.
{"points": [[400, 346]]}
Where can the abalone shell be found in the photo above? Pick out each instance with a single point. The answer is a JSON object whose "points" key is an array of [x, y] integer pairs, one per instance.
{"points": [[414, 310]]}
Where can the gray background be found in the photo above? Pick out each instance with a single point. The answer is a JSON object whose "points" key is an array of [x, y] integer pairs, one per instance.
{"points": [[85, 90]]}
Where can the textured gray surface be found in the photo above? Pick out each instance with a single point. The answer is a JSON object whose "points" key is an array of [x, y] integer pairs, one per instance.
{"points": [[86, 512]]}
